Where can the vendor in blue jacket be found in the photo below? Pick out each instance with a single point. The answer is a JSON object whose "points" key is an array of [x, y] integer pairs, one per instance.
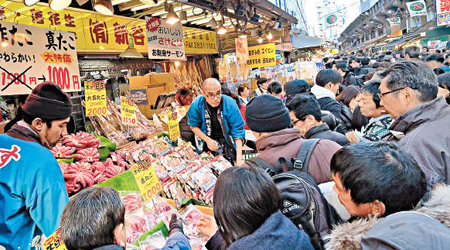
{"points": [[32, 190], [215, 118]]}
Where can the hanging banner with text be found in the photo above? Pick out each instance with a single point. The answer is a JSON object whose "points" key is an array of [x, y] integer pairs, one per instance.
{"points": [[442, 12], [261, 56], [31, 55], [95, 98], [199, 41], [242, 56], [146, 179], [417, 8], [128, 111], [164, 41], [396, 29]]}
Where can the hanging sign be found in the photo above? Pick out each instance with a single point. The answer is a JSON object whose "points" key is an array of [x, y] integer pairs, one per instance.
{"points": [[54, 241], [199, 41], [146, 179], [396, 29], [95, 98], [242, 56], [31, 55], [417, 8], [164, 41], [261, 56], [331, 20], [128, 111], [442, 12], [174, 126]]}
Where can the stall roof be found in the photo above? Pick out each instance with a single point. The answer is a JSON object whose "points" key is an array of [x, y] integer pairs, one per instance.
{"points": [[304, 41]]}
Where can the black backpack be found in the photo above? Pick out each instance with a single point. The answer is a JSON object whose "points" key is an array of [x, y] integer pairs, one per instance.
{"points": [[302, 201]]}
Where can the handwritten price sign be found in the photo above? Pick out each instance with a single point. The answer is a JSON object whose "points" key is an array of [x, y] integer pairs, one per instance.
{"points": [[146, 179], [128, 111], [95, 98], [174, 126], [54, 241]]}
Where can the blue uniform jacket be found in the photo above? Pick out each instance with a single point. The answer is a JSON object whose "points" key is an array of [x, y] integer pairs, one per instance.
{"points": [[234, 124], [32, 193]]}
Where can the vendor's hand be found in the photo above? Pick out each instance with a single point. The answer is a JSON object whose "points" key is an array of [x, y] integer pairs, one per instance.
{"points": [[212, 145], [207, 226], [176, 224]]}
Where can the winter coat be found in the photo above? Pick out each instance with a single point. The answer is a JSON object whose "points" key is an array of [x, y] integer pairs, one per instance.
{"points": [[350, 79], [376, 130], [327, 100], [22, 131], [427, 138], [322, 131], [287, 142], [345, 117], [234, 124], [425, 228], [277, 232], [366, 69]]}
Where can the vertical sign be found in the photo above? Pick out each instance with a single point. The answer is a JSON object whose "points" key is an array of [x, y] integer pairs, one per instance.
{"points": [[128, 111], [146, 179], [164, 41], [396, 29], [31, 55], [261, 56], [417, 8], [95, 98], [442, 12], [242, 56], [174, 126]]}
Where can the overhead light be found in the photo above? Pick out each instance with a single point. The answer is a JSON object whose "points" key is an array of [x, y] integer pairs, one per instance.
{"points": [[30, 2], [269, 36], [260, 39], [172, 17], [59, 4], [5, 44], [177, 63], [221, 30], [212, 23], [131, 52], [183, 16], [104, 6]]}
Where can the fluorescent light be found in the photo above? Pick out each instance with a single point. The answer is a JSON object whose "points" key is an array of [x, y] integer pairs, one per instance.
{"points": [[116, 2]]}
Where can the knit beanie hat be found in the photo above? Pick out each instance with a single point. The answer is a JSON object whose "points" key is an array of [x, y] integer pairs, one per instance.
{"points": [[296, 87], [48, 101], [267, 113]]}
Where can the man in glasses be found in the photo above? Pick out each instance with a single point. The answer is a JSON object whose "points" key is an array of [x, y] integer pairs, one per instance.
{"points": [[408, 92], [216, 119]]}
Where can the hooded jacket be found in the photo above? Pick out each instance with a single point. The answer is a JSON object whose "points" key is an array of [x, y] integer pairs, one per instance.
{"points": [[425, 228], [322, 131], [427, 138], [327, 100], [287, 142]]}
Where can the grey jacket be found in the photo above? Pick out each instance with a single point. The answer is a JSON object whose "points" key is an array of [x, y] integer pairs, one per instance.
{"points": [[427, 138], [428, 227]]}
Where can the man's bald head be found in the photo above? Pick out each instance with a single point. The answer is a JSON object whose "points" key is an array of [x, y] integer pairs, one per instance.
{"points": [[212, 91], [211, 82]]}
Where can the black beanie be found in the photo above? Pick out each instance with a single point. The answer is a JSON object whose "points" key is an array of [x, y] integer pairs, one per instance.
{"points": [[296, 87], [267, 113], [48, 101]]}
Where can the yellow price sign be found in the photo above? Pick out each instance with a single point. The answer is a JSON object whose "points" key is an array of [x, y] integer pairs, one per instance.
{"points": [[128, 111], [95, 98], [146, 179], [174, 126], [54, 241], [262, 56]]}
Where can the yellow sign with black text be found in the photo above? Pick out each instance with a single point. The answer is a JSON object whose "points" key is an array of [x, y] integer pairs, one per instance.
{"points": [[128, 110], [146, 179], [95, 98], [261, 56], [174, 126], [197, 41], [54, 241]]}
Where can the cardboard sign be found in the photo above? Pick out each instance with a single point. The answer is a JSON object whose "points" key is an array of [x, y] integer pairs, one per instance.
{"points": [[31, 55], [261, 56], [54, 241], [199, 41], [128, 111], [417, 8], [174, 126], [164, 41], [146, 179], [95, 98], [442, 12]]}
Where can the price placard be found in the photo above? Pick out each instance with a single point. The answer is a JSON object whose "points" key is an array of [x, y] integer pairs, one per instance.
{"points": [[95, 98], [146, 179], [128, 111], [174, 126], [54, 241]]}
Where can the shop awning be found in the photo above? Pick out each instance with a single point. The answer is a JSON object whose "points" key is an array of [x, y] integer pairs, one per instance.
{"points": [[304, 41]]}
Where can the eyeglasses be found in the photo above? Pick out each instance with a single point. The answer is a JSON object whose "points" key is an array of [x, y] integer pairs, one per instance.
{"points": [[214, 96], [301, 119], [390, 92]]}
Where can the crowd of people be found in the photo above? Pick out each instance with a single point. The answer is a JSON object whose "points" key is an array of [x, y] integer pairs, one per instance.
{"points": [[364, 150]]}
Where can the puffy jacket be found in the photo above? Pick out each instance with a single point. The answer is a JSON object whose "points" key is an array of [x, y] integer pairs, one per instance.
{"points": [[427, 138], [345, 118], [287, 142], [327, 100], [234, 124], [322, 131]]}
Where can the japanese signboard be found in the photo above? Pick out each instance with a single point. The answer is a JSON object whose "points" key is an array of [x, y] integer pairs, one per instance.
{"points": [[442, 12], [164, 41], [128, 111], [174, 126], [31, 55], [54, 241], [242, 56], [331, 20], [199, 41], [95, 98], [396, 29], [146, 179], [261, 56], [417, 8]]}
